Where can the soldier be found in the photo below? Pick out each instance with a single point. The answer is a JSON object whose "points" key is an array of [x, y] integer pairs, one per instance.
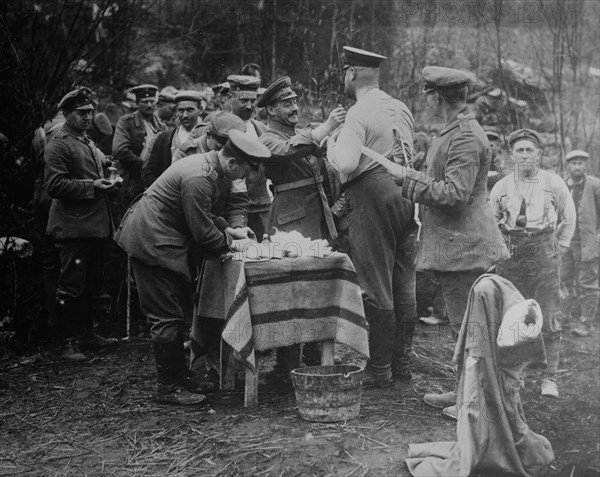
{"points": [[79, 221], [537, 217], [188, 108], [134, 137], [460, 239], [239, 97], [299, 202], [382, 231], [175, 215], [579, 267]]}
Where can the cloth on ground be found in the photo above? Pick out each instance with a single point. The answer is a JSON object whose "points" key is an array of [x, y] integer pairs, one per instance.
{"points": [[493, 438], [278, 303]]}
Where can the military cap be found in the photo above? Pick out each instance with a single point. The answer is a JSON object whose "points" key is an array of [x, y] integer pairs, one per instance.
{"points": [[80, 99], [437, 77], [576, 154], [166, 97], [188, 96], [278, 90], [524, 135], [222, 122], [357, 57], [243, 83], [222, 88], [103, 124], [492, 135], [248, 148], [144, 91]]}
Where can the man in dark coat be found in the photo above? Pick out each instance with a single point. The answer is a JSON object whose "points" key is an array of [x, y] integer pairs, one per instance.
{"points": [[460, 238], [579, 267], [382, 231], [299, 203], [79, 221], [188, 109], [134, 137], [177, 213]]}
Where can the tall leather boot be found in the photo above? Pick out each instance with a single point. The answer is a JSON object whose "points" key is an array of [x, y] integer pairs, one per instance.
{"points": [[403, 338], [171, 374], [87, 315], [68, 329], [382, 326]]}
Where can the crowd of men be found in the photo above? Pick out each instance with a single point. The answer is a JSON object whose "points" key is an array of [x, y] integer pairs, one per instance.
{"points": [[210, 184]]}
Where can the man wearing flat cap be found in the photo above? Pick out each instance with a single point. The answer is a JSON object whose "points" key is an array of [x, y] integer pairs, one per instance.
{"points": [[299, 201], [579, 268], [177, 214], [460, 238], [537, 218], [79, 221], [133, 140], [382, 230], [188, 108]]}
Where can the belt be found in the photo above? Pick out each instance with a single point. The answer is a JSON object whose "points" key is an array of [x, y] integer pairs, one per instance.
{"points": [[346, 185], [527, 233], [298, 184]]}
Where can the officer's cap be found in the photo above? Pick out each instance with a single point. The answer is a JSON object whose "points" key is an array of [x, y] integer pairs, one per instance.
{"points": [[243, 83], [357, 57], [524, 135], [248, 148], [437, 77], [577, 154], [144, 91], [188, 96], [492, 135], [222, 122], [80, 99], [278, 90]]}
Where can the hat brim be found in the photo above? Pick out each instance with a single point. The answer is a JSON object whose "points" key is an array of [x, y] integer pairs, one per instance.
{"points": [[84, 107]]}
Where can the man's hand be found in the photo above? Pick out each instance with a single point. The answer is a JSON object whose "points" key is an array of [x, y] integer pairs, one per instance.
{"points": [[336, 118], [240, 233], [104, 185], [241, 245]]}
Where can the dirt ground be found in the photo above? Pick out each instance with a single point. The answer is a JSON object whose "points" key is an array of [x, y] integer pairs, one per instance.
{"points": [[99, 418]]}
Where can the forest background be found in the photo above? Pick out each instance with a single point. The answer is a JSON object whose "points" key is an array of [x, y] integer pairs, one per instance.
{"points": [[535, 63]]}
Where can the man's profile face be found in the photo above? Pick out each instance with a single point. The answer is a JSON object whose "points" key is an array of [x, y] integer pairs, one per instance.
{"points": [[243, 103], [80, 119], [147, 106], [187, 113]]}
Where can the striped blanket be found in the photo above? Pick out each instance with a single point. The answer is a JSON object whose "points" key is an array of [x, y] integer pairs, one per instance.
{"points": [[277, 303]]}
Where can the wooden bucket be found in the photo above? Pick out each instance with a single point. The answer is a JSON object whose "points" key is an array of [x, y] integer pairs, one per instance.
{"points": [[328, 393]]}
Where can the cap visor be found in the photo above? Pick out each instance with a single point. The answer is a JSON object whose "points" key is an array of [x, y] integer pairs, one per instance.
{"points": [[85, 107]]}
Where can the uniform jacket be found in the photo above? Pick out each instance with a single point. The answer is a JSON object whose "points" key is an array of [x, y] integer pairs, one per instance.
{"points": [[459, 230], [588, 218], [294, 158], [160, 157], [256, 182], [72, 163], [190, 204], [128, 143]]}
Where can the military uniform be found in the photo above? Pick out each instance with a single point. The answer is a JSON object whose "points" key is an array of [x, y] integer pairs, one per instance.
{"points": [[131, 148], [178, 212], [79, 220], [382, 231], [460, 238]]}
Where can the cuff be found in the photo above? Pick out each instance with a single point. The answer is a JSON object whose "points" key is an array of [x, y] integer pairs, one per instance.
{"points": [[220, 223], [88, 189]]}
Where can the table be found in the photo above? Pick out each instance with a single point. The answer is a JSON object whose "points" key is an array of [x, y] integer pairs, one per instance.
{"points": [[280, 302]]}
